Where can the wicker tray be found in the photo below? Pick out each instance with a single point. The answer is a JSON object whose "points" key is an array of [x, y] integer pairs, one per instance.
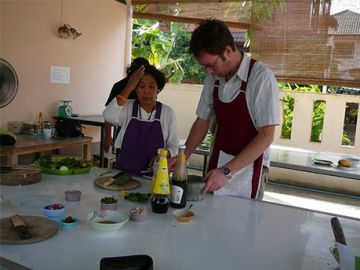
{"points": [[20, 175]]}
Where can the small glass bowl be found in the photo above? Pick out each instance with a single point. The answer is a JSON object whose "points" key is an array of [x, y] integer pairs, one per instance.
{"points": [[139, 214], [69, 225], [72, 195]]}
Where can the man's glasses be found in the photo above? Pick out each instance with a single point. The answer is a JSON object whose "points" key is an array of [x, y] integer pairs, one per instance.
{"points": [[212, 65]]}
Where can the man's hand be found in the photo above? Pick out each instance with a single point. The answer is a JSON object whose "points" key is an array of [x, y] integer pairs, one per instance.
{"points": [[171, 163], [215, 179]]}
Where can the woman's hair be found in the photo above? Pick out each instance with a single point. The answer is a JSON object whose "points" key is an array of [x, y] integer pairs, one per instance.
{"points": [[149, 69], [136, 64], [157, 75], [211, 36]]}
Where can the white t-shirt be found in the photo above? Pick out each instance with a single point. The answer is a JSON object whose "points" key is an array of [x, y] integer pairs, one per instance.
{"points": [[262, 95], [121, 115]]}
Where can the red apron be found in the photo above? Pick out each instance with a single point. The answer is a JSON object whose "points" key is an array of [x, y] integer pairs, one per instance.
{"points": [[235, 129]]}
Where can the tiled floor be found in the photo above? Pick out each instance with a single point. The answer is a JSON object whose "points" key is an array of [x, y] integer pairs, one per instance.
{"points": [[322, 202]]}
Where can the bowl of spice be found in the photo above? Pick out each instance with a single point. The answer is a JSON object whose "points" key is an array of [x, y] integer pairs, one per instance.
{"points": [[139, 214], [107, 220], [109, 203]]}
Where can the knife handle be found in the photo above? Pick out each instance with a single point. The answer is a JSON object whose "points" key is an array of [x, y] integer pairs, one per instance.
{"points": [[20, 226], [338, 231]]}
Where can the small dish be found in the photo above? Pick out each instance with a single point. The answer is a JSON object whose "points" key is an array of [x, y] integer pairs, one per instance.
{"points": [[54, 210], [139, 214], [72, 195], [323, 162], [183, 215], [69, 222]]}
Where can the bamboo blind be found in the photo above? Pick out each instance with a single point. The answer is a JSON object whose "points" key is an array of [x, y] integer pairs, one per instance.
{"points": [[302, 41]]}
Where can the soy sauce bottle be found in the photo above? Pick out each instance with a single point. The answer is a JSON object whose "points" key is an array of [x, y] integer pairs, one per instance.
{"points": [[160, 185], [179, 180]]}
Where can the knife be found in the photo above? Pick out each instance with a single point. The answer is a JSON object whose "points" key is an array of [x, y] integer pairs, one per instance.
{"points": [[338, 231], [21, 227]]}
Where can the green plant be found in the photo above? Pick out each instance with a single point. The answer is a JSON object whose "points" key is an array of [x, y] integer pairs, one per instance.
{"points": [[288, 115]]}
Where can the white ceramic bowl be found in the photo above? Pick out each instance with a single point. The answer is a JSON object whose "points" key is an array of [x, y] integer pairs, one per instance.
{"points": [[108, 221]]}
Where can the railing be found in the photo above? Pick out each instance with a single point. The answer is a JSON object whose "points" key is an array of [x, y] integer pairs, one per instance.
{"points": [[331, 139]]}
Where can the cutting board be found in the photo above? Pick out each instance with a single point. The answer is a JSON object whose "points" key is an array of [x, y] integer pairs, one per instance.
{"points": [[131, 184], [20, 175], [41, 229]]}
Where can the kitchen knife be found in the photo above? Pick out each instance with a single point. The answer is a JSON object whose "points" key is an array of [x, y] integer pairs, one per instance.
{"points": [[338, 231], [21, 227]]}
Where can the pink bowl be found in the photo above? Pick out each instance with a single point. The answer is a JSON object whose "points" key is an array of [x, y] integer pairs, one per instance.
{"points": [[108, 206]]}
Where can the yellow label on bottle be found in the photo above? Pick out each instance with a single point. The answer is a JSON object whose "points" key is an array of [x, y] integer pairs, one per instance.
{"points": [[161, 179]]}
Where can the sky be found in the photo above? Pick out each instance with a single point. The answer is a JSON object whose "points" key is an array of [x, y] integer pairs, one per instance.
{"points": [[340, 5]]}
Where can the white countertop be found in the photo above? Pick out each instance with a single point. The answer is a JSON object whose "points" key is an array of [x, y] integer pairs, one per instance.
{"points": [[302, 160], [226, 233]]}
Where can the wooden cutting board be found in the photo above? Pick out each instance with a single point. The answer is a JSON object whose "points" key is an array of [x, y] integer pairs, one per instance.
{"points": [[131, 184], [20, 175], [41, 229]]}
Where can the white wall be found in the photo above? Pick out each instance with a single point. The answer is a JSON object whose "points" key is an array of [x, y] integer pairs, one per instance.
{"points": [[29, 41]]}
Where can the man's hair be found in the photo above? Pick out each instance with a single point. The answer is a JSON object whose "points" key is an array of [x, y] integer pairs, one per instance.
{"points": [[211, 36]]}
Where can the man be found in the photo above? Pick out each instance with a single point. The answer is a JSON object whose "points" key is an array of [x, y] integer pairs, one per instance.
{"points": [[242, 95]]}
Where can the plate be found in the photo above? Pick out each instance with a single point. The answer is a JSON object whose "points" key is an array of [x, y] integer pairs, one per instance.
{"points": [[66, 172], [129, 185], [322, 162], [346, 168], [40, 228]]}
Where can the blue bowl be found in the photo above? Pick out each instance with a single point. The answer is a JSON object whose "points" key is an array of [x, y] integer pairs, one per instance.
{"points": [[53, 213], [69, 225]]}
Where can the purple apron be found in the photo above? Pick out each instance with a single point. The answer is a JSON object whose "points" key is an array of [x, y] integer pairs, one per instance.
{"points": [[141, 141]]}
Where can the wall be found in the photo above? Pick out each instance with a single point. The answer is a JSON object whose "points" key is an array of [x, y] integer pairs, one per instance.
{"points": [[30, 43]]}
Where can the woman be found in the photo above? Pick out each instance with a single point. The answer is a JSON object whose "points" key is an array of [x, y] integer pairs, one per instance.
{"points": [[146, 124], [116, 89]]}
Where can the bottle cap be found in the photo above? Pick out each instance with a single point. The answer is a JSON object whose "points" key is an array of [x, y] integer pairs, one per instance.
{"points": [[182, 146], [163, 152]]}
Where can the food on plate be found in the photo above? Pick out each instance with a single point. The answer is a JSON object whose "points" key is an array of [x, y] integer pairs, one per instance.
{"points": [[109, 182], [64, 168], [109, 200], [121, 178], [49, 162], [345, 163], [137, 197]]}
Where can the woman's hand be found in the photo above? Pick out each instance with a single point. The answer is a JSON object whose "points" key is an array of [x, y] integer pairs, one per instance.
{"points": [[131, 85], [135, 78]]}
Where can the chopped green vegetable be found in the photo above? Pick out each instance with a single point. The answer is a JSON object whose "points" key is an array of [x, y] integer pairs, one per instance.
{"points": [[109, 200], [138, 197]]}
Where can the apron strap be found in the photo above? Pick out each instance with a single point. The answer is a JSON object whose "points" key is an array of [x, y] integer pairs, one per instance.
{"points": [[158, 110], [135, 109], [244, 84]]}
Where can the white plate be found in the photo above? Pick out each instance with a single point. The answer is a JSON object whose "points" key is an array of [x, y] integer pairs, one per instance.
{"points": [[322, 162]]}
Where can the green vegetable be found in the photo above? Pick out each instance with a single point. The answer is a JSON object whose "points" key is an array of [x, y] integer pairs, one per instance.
{"points": [[55, 163], [121, 179], [109, 200], [138, 197]]}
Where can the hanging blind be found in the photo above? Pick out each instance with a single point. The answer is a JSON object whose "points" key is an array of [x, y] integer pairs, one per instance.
{"points": [[302, 41]]}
